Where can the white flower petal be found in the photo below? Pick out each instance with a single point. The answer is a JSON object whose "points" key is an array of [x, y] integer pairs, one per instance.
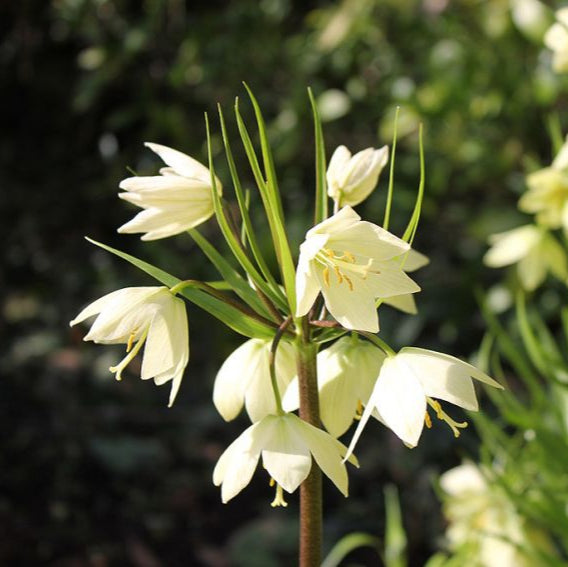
{"points": [[285, 455], [181, 163], [511, 246], [400, 400], [404, 303]]}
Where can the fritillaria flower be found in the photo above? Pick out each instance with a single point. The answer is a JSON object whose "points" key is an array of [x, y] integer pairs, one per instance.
{"points": [[244, 378], [287, 445], [535, 251], [176, 200], [351, 179], [352, 263], [556, 38], [143, 316], [407, 384]]}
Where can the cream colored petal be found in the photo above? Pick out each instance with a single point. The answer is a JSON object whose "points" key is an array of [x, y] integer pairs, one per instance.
{"points": [[511, 246], [555, 257], [388, 280], [404, 303], [465, 478], [412, 260], [285, 455], [532, 269], [365, 168], [174, 186], [369, 241], [442, 378], [234, 377], [307, 286], [237, 464], [472, 370], [400, 400], [327, 453], [354, 309], [124, 318], [181, 163], [340, 221], [291, 397], [337, 164]]}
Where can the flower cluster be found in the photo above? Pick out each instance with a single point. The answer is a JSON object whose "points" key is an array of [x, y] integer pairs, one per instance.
{"points": [[347, 267]]}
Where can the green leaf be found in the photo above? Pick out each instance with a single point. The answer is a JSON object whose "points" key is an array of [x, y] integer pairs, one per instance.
{"points": [[232, 240], [410, 231], [346, 545], [321, 211], [271, 201], [391, 172], [395, 536], [227, 314]]}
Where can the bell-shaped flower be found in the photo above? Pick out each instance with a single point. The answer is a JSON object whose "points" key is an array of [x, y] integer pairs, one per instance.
{"points": [[244, 378], [406, 386], [556, 39], [137, 316], [347, 372], [176, 200], [351, 179], [410, 262], [287, 445], [547, 194], [535, 251], [352, 262]]}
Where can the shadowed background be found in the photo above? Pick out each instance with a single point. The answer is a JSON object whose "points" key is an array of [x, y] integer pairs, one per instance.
{"points": [[98, 473]]}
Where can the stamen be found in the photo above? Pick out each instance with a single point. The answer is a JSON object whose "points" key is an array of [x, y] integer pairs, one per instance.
{"points": [[358, 411], [326, 276], [131, 340], [279, 497], [338, 274], [342, 264], [455, 426], [349, 282], [428, 420], [131, 354]]}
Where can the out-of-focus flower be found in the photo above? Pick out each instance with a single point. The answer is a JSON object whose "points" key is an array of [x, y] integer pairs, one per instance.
{"points": [[244, 378], [556, 38], [173, 202], [547, 196], [287, 445], [347, 372], [484, 523], [137, 316], [351, 262], [535, 251], [351, 179], [406, 386]]}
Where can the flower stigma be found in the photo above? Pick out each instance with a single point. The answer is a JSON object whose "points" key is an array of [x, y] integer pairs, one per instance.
{"points": [[131, 353], [279, 496], [342, 264], [443, 416]]}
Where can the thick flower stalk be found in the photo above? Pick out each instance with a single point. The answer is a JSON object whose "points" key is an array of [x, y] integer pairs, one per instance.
{"points": [[287, 445], [174, 201], [411, 381], [352, 263], [244, 379], [143, 316], [352, 178], [534, 251], [347, 372]]}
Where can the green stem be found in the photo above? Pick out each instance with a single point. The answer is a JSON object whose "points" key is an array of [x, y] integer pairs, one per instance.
{"points": [[310, 490]]}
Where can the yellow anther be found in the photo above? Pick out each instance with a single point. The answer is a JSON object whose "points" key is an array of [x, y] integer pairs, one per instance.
{"points": [[338, 274], [130, 341], [279, 497], [329, 253], [443, 416], [428, 420], [326, 276], [272, 482], [349, 282], [359, 410], [348, 257]]}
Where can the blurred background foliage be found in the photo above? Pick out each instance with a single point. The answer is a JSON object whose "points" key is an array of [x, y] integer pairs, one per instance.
{"points": [[96, 473]]}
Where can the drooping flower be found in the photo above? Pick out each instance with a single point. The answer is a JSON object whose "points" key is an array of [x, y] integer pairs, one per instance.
{"points": [[176, 200], [406, 386], [137, 316], [244, 378], [410, 262], [535, 251], [351, 179], [547, 196], [347, 372], [287, 444], [352, 263], [483, 524], [556, 39]]}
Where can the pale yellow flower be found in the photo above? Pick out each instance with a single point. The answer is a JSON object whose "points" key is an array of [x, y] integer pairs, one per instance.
{"points": [[137, 316], [556, 39]]}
